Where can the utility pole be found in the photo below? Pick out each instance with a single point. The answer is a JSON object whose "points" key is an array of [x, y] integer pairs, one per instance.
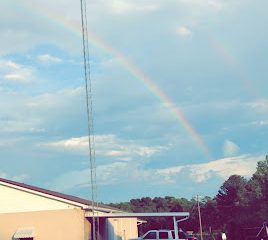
{"points": [[200, 220]]}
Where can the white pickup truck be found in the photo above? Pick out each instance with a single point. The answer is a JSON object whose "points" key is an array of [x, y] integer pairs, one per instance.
{"points": [[162, 235]]}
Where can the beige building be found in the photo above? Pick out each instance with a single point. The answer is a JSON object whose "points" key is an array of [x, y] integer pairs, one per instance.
{"points": [[32, 213]]}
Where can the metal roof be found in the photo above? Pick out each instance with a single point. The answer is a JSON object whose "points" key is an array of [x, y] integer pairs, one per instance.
{"points": [[54, 194], [128, 215]]}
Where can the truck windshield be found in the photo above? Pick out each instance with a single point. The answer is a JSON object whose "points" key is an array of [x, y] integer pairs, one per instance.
{"points": [[150, 235]]}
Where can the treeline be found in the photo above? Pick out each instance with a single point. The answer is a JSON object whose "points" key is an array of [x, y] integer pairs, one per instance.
{"points": [[240, 205]]}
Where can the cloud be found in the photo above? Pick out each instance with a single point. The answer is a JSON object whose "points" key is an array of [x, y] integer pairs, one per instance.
{"points": [[106, 145], [12, 71], [215, 5], [243, 165], [20, 125], [168, 174], [33, 28], [184, 32], [15, 77], [24, 113], [134, 172], [73, 144], [80, 178], [110, 174], [59, 99], [263, 122], [46, 58], [259, 105], [130, 7], [230, 148], [18, 178], [10, 64]]}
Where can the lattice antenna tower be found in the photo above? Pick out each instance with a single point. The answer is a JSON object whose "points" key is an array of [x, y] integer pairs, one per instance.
{"points": [[91, 140]]}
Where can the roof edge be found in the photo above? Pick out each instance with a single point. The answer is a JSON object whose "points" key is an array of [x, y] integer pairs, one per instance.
{"points": [[84, 203]]}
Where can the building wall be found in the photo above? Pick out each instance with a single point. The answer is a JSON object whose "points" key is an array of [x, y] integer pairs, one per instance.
{"points": [[122, 228], [14, 200], [68, 224], [118, 228], [54, 219]]}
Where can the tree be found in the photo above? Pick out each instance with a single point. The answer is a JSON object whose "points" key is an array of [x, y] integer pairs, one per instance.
{"points": [[232, 193], [261, 177], [258, 189], [232, 203], [210, 215]]}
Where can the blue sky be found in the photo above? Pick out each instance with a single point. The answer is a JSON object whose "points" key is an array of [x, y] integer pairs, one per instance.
{"points": [[208, 57]]}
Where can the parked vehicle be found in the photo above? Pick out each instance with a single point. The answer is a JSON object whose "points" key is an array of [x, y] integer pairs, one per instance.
{"points": [[165, 235], [190, 236]]}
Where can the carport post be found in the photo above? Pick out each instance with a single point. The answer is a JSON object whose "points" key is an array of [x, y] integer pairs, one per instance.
{"points": [[175, 222], [175, 228]]}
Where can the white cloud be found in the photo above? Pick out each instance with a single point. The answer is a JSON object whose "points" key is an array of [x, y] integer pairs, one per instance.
{"points": [[15, 77], [243, 165], [168, 173], [184, 32], [119, 172], [215, 5], [46, 58], [259, 105], [11, 64], [110, 174], [12, 71], [73, 144], [263, 122], [106, 145], [129, 7], [230, 148]]}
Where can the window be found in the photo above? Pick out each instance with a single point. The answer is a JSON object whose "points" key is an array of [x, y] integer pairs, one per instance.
{"points": [[150, 235], [163, 235]]}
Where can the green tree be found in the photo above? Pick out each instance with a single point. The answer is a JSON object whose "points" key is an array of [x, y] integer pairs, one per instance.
{"points": [[258, 193], [232, 203], [232, 194], [210, 215], [261, 177]]}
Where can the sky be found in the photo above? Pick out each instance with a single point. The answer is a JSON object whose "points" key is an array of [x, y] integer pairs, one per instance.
{"points": [[179, 91]]}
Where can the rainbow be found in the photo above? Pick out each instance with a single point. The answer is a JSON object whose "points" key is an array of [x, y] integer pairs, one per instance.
{"points": [[75, 28], [233, 64]]}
